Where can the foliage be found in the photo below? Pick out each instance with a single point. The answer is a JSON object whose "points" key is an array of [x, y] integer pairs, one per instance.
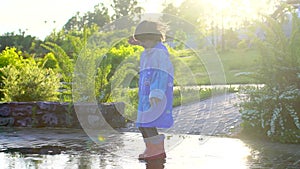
{"points": [[130, 97], [50, 62], [9, 56], [231, 38], [121, 53], [170, 9], [98, 17], [93, 30], [243, 44], [102, 83], [71, 41], [28, 44], [29, 83], [65, 68], [85, 70], [181, 38], [193, 12], [64, 61], [274, 110], [125, 8]]}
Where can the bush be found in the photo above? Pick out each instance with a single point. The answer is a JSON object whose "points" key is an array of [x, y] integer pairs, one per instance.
{"points": [[9, 56], [272, 114], [119, 54], [50, 62], [29, 83], [273, 111]]}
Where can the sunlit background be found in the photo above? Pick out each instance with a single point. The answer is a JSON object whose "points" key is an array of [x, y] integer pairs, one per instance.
{"points": [[39, 18]]}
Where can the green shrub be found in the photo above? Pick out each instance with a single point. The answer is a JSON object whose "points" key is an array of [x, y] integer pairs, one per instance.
{"points": [[119, 54], [273, 111], [9, 56], [49, 61], [29, 83], [274, 114]]}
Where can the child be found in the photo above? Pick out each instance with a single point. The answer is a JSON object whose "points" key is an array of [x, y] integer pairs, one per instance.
{"points": [[155, 88]]}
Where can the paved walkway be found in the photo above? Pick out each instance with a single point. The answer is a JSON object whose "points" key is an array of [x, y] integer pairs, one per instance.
{"points": [[214, 117]]}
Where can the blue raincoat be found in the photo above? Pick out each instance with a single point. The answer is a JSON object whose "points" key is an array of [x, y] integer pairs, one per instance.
{"points": [[156, 80]]}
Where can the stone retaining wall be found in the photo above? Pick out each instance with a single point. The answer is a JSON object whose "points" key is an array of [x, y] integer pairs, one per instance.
{"points": [[55, 114]]}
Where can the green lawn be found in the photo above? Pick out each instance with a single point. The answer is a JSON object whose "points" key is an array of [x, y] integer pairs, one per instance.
{"points": [[190, 70]]}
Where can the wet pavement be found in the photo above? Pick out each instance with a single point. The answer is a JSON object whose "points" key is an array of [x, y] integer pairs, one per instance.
{"points": [[217, 116], [57, 148], [199, 139]]}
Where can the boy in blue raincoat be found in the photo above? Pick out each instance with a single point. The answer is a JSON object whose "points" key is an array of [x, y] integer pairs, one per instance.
{"points": [[155, 88]]}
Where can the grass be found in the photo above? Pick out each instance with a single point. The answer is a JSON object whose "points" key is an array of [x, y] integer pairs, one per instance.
{"points": [[238, 61], [183, 96], [190, 70]]}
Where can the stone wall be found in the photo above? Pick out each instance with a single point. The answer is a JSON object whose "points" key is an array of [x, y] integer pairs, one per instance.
{"points": [[55, 114]]}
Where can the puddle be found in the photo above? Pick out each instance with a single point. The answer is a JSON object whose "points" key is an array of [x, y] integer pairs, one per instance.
{"points": [[69, 149], [51, 150]]}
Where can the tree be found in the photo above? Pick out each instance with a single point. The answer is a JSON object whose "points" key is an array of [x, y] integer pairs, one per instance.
{"points": [[125, 8], [128, 10], [28, 44], [170, 9], [192, 16], [193, 11], [74, 23], [98, 17]]}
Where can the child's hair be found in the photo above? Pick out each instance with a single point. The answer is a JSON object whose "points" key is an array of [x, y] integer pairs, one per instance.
{"points": [[150, 30]]}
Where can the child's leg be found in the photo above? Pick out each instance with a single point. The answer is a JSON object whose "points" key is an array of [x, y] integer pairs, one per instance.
{"points": [[154, 143], [148, 131]]}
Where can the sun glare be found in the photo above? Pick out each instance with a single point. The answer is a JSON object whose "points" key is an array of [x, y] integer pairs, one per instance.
{"points": [[219, 4], [233, 13]]}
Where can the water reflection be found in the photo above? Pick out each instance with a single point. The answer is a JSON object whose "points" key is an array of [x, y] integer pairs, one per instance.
{"points": [[156, 163], [36, 150], [51, 150], [65, 161]]}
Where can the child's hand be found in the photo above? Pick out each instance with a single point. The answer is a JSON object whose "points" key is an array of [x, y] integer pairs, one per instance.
{"points": [[154, 101]]}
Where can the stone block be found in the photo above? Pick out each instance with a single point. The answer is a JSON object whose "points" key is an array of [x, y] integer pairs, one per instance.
{"points": [[56, 114]]}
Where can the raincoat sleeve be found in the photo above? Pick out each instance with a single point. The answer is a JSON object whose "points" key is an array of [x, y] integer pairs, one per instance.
{"points": [[159, 80]]}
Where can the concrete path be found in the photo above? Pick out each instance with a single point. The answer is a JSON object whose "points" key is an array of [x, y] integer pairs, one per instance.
{"points": [[217, 116]]}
